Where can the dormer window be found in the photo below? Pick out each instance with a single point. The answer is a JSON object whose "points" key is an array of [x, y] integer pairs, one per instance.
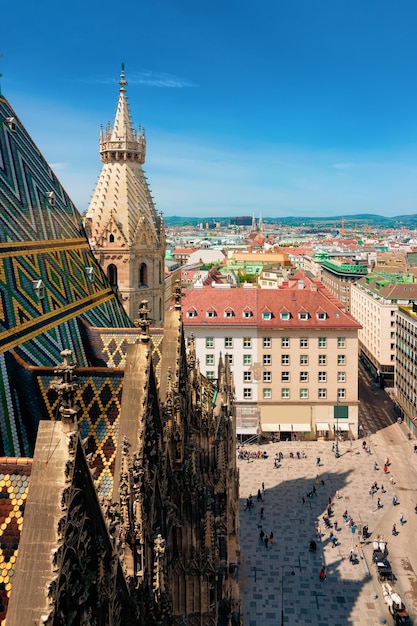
{"points": [[11, 122], [285, 315], [211, 312], [39, 289], [266, 315], [303, 315], [51, 197], [229, 312], [247, 312], [191, 313], [321, 315], [111, 238], [90, 274]]}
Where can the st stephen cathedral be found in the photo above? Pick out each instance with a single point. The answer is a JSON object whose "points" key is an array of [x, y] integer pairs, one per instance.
{"points": [[118, 479]]}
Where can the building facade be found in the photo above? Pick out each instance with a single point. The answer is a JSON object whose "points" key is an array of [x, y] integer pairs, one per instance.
{"points": [[375, 300], [405, 389], [293, 353]]}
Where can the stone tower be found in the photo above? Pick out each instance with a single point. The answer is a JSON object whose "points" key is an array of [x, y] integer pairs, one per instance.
{"points": [[125, 231]]}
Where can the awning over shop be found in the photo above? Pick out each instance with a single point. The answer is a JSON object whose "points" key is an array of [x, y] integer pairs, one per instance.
{"points": [[322, 426], [343, 426], [246, 431], [285, 428]]}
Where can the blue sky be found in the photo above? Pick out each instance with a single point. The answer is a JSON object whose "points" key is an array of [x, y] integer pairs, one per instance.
{"points": [[282, 108]]}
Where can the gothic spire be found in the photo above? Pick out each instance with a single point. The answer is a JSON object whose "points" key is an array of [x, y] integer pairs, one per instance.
{"points": [[121, 142]]}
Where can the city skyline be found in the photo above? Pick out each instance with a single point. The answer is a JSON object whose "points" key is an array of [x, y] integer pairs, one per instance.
{"points": [[281, 109]]}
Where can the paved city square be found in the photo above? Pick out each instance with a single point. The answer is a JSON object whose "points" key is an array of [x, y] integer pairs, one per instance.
{"points": [[280, 582]]}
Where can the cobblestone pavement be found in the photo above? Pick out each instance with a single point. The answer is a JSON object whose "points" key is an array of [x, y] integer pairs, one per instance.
{"points": [[280, 583]]}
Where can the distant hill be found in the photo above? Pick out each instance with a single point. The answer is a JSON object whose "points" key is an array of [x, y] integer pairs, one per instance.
{"points": [[370, 219]]}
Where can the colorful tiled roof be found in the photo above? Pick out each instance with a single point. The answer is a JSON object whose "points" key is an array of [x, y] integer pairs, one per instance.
{"points": [[14, 486]]}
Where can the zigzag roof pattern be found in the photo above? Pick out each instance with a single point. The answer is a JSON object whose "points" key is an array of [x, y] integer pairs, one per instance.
{"points": [[34, 205]]}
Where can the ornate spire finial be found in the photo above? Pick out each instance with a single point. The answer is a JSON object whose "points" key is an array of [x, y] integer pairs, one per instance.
{"points": [[122, 81], [66, 388], [178, 294], [143, 321]]}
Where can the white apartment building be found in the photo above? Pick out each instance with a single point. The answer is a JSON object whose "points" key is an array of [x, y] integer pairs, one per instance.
{"points": [[293, 353], [405, 389], [374, 304]]}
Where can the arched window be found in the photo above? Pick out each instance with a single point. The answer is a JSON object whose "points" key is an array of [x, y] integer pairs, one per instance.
{"points": [[111, 238], [143, 275], [112, 275], [160, 272], [160, 308]]}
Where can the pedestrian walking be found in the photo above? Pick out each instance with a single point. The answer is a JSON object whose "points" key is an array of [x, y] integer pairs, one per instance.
{"points": [[394, 529], [322, 574], [262, 512], [271, 537], [259, 496], [401, 519], [263, 488], [335, 526], [261, 535], [266, 540], [318, 461], [314, 490], [304, 500], [379, 504]]}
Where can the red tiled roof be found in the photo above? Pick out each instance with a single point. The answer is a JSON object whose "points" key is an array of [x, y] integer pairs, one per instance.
{"points": [[314, 299]]}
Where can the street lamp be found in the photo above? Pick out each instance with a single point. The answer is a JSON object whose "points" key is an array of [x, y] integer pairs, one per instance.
{"points": [[336, 448], [282, 589]]}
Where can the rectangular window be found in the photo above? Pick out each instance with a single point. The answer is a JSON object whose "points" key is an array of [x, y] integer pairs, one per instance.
{"points": [[229, 358], [303, 377], [266, 315], [341, 393], [247, 342], [341, 359], [267, 359], [322, 342], [285, 377], [267, 393], [285, 315], [322, 377], [285, 342], [210, 374], [209, 342], [247, 393], [267, 377], [303, 315], [285, 359], [247, 359], [209, 359], [322, 359], [322, 393], [304, 342], [341, 342], [285, 393], [228, 342], [341, 377], [304, 393], [247, 377], [303, 359], [266, 342]]}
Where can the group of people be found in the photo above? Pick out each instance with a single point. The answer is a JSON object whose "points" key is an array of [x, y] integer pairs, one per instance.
{"points": [[247, 455]]}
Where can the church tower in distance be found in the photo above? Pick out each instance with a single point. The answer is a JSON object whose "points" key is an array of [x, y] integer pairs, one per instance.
{"points": [[125, 231]]}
